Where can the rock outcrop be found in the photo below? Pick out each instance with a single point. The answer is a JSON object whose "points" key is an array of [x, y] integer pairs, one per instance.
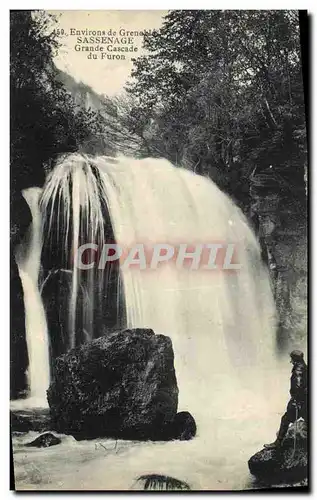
{"points": [[20, 221], [286, 464], [183, 428], [37, 419], [122, 385]]}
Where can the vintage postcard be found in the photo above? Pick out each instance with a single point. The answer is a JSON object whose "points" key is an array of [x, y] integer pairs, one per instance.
{"points": [[158, 250]]}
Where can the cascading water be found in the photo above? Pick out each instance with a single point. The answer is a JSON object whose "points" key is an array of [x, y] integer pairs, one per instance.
{"points": [[28, 257], [221, 323]]}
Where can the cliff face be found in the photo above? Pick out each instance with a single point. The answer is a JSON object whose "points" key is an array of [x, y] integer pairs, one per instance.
{"points": [[121, 385], [115, 137], [281, 222], [282, 231]]}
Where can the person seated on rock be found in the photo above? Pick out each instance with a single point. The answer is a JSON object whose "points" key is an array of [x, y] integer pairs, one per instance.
{"points": [[297, 405]]}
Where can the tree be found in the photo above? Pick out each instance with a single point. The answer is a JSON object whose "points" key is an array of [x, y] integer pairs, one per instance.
{"points": [[221, 92]]}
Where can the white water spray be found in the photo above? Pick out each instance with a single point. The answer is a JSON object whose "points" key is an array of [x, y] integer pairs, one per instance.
{"points": [[221, 324], [28, 258]]}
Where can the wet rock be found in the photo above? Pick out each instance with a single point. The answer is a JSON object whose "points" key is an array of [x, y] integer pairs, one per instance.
{"points": [[18, 346], [122, 385], [56, 293], [45, 440], [184, 426], [286, 464], [159, 482]]}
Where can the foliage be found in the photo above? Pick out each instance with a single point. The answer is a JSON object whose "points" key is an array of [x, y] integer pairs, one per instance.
{"points": [[44, 118], [221, 92]]}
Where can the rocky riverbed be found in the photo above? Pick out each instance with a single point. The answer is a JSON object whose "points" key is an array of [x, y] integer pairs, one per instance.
{"points": [[219, 461]]}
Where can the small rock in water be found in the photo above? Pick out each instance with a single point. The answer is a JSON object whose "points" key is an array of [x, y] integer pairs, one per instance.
{"points": [[45, 440], [183, 427], [36, 419], [122, 385], [19, 423]]}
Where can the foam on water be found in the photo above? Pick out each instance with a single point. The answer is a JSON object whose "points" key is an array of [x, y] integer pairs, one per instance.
{"points": [[28, 257]]}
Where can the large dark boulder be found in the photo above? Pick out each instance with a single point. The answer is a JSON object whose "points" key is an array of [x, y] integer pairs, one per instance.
{"points": [[20, 218], [183, 427], [286, 464], [157, 482], [20, 221], [122, 385], [18, 347]]}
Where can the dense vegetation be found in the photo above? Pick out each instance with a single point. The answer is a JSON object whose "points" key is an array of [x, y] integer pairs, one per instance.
{"points": [[44, 118], [221, 93]]}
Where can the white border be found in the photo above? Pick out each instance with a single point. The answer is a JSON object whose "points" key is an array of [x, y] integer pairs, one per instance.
{"points": [[4, 198]]}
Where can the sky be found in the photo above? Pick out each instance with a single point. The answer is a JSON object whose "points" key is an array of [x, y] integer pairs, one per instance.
{"points": [[104, 76]]}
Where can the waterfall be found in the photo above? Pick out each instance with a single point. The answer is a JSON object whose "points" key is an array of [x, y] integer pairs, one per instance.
{"points": [[221, 324], [28, 258]]}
